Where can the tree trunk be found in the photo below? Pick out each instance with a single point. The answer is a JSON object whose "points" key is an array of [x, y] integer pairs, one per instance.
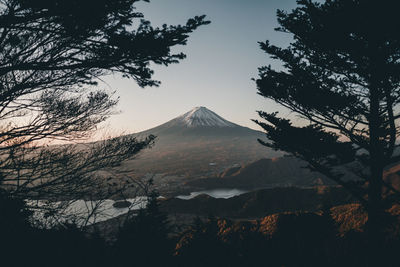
{"points": [[374, 204], [375, 207], [375, 224]]}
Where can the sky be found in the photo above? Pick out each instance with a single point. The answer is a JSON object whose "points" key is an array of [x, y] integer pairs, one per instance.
{"points": [[222, 57]]}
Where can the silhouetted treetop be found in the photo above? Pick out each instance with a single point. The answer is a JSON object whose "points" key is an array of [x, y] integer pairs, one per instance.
{"points": [[337, 47], [86, 39]]}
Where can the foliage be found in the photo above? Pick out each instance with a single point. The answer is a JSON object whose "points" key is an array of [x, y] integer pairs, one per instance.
{"points": [[285, 239], [340, 74], [143, 239], [52, 56], [201, 245]]}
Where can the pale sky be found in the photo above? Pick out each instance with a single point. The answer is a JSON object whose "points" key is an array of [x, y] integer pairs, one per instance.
{"points": [[222, 57]]}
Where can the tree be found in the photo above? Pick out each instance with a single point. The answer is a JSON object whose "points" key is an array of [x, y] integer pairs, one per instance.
{"points": [[340, 74], [145, 235], [202, 245], [53, 53]]}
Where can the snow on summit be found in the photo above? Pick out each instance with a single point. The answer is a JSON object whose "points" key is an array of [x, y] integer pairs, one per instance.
{"points": [[202, 116]]}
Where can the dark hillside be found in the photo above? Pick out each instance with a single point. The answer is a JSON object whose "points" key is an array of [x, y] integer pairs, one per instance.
{"points": [[260, 203]]}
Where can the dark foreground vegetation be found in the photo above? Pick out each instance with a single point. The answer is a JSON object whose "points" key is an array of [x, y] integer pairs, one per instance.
{"points": [[340, 75], [329, 237]]}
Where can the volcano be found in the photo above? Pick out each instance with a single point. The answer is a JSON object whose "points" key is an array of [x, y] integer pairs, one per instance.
{"points": [[200, 117], [199, 143]]}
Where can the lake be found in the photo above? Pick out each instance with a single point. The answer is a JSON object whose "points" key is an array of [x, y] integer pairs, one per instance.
{"points": [[215, 193], [83, 212]]}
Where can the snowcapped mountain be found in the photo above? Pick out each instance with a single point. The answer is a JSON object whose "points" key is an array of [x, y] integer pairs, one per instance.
{"points": [[202, 116], [198, 143], [200, 122]]}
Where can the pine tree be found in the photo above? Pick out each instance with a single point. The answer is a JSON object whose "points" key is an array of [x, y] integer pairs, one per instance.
{"points": [[341, 75]]}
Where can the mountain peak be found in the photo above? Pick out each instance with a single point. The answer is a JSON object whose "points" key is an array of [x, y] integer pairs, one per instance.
{"points": [[202, 116]]}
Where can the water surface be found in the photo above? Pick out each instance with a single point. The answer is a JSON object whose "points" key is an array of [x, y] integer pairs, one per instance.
{"points": [[82, 212], [215, 193]]}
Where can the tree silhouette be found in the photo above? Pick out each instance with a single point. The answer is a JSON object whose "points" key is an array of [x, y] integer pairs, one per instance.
{"points": [[341, 75], [52, 56], [200, 245], [143, 239]]}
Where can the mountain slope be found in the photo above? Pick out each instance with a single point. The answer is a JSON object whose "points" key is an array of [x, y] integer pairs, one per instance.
{"points": [[199, 122], [199, 143], [284, 171]]}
